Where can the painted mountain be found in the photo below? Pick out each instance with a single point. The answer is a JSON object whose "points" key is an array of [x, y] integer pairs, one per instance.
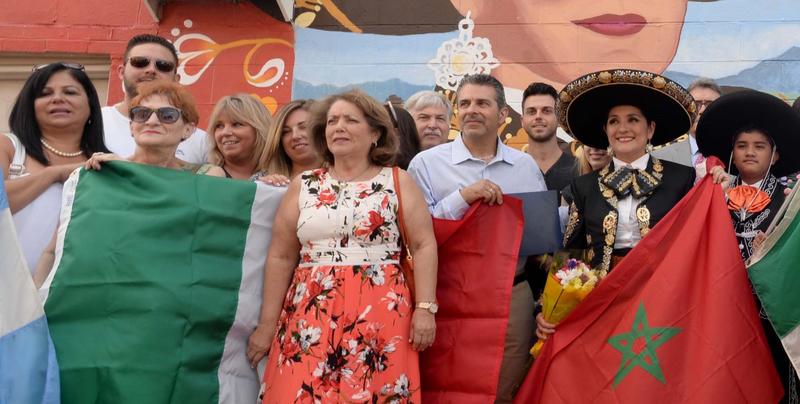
{"points": [[778, 75], [378, 89]]}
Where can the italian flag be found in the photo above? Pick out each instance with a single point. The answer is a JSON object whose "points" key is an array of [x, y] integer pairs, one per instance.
{"points": [[157, 285], [775, 274]]}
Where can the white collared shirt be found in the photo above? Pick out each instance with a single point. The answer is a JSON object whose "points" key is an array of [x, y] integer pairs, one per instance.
{"points": [[628, 234], [442, 171], [693, 147]]}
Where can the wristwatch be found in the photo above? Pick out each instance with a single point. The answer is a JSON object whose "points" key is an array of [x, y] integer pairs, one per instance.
{"points": [[432, 307]]}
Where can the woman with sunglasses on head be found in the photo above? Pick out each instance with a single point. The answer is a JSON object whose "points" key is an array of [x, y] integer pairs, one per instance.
{"points": [[56, 124], [162, 116], [237, 131]]}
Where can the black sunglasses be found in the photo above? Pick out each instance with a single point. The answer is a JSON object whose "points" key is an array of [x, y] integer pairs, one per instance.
{"points": [[140, 62], [164, 114], [68, 65]]}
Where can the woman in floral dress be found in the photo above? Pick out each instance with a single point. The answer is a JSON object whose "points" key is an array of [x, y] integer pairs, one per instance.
{"points": [[342, 324]]}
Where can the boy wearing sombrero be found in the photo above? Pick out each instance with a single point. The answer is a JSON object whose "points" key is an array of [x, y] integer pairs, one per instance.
{"points": [[750, 129]]}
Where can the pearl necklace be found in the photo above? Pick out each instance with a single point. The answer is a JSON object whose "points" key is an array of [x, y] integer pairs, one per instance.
{"points": [[59, 152]]}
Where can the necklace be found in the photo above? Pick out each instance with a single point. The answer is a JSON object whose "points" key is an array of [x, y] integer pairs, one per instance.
{"points": [[59, 152], [333, 173]]}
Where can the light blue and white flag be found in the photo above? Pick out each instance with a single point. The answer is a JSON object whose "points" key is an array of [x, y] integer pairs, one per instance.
{"points": [[28, 367]]}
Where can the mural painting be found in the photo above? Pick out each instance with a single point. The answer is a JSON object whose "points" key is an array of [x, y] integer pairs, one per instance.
{"points": [[398, 48]]}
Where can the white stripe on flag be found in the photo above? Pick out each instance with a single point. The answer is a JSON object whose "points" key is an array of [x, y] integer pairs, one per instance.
{"points": [[238, 383], [67, 196]]}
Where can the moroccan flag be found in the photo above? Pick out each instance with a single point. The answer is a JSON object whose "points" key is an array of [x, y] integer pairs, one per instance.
{"points": [[157, 285], [477, 259], [674, 322], [28, 368], [775, 274]]}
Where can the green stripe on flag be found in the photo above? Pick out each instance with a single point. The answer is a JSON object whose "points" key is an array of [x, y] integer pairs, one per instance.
{"points": [[775, 272], [146, 287]]}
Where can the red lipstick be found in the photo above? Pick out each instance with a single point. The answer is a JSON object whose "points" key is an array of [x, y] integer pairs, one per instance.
{"points": [[613, 24]]}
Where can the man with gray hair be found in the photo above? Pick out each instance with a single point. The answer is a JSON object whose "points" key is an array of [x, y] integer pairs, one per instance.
{"points": [[431, 112], [704, 91], [477, 167]]}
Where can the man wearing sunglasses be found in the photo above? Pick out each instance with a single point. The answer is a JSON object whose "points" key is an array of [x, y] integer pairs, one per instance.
{"points": [[147, 57]]}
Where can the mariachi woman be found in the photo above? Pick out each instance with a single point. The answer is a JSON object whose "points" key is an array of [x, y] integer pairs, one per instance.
{"points": [[628, 111], [749, 130]]}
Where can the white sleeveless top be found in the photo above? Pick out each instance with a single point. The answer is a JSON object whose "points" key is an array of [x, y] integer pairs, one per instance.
{"points": [[37, 221]]}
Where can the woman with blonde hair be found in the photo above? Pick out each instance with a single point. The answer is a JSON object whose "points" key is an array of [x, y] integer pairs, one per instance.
{"points": [[589, 158], [238, 128], [290, 150]]}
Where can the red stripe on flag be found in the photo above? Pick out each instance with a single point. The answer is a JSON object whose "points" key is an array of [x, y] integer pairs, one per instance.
{"points": [[477, 260]]}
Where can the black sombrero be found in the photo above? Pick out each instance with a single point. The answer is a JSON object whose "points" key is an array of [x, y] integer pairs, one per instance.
{"points": [[750, 109], [584, 104]]}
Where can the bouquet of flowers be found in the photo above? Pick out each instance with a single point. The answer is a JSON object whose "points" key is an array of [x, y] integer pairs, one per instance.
{"points": [[568, 283]]}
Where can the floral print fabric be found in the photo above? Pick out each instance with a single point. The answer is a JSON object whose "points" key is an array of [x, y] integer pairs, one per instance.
{"points": [[344, 329]]}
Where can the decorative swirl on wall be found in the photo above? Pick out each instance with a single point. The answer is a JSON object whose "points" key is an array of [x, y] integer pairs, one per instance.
{"points": [[206, 50]]}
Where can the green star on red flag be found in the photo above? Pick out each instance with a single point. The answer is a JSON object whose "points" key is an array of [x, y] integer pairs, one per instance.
{"points": [[638, 346]]}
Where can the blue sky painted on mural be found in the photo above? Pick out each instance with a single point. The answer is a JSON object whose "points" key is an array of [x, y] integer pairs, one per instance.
{"points": [[715, 42], [715, 32]]}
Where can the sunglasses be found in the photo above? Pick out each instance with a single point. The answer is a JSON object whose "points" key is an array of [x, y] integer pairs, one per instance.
{"points": [[140, 62], [164, 114], [68, 65]]}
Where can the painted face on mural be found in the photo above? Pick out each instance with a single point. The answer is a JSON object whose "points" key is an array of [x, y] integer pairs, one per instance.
{"points": [[132, 75], [567, 39]]}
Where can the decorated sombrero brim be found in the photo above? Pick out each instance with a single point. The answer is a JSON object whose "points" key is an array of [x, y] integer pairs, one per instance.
{"points": [[731, 113], [584, 104]]}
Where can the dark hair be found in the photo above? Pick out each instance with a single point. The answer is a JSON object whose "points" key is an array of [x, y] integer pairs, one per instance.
{"points": [[752, 127], [24, 125], [406, 132], [796, 105], [377, 118], [641, 106], [482, 79], [539, 89], [150, 38]]}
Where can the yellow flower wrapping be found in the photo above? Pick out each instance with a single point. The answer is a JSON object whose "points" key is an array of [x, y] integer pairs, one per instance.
{"points": [[557, 302]]}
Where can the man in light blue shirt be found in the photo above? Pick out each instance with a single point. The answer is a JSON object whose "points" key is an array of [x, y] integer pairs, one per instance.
{"points": [[477, 166]]}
